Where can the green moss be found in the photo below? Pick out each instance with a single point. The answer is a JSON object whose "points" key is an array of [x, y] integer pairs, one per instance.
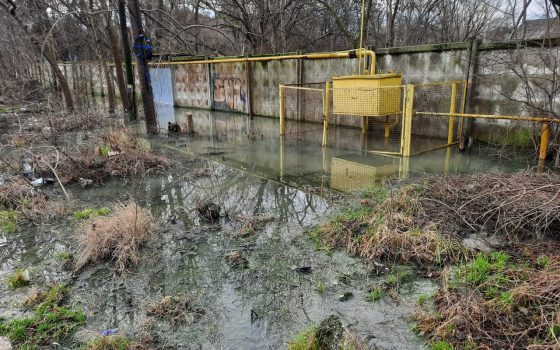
{"points": [[108, 343], [305, 340], [8, 221], [89, 213], [17, 279], [50, 322]]}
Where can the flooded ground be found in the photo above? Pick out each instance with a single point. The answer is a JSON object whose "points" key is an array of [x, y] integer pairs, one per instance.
{"points": [[298, 158], [295, 182]]}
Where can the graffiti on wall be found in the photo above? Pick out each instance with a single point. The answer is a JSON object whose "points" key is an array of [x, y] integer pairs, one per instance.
{"points": [[191, 84], [230, 87]]}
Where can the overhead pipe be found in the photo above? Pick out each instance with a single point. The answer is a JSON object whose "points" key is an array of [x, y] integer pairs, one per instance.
{"points": [[311, 56]]}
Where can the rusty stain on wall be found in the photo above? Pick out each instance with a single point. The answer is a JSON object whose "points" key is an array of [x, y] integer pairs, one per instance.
{"points": [[191, 86], [230, 87]]}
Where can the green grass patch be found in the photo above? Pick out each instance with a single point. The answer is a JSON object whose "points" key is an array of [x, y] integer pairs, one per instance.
{"points": [[544, 261], [108, 343], [353, 214], [378, 193], [89, 213], [440, 345], [51, 322], [375, 294], [305, 340], [17, 279], [8, 221], [422, 298], [484, 266], [321, 288], [104, 151], [51, 296], [64, 256]]}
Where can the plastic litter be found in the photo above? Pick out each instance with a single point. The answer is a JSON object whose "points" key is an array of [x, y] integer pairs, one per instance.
{"points": [[109, 332]]}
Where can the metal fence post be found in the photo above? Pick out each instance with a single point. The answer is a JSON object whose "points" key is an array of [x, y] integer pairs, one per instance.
{"points": [[543, 149], [452, 112], [407, 122], [282, 116]]}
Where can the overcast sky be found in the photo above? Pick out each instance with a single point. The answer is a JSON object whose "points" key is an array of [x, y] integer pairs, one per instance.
{"points": [[536, 9]]}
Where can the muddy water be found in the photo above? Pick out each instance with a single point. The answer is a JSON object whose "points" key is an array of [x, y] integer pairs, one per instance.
{"points": [[253, 173], [299, 159]]}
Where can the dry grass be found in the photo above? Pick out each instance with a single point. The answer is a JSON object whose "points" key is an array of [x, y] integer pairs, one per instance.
{"points": [[390, 232], [252, 224], [522, 204], [121, 154], [55, 124], [16, 193], [177, 310], [117, 237]]}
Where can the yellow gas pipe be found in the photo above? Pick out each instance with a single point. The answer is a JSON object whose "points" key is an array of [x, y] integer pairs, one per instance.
{"points": [[312, 56]]}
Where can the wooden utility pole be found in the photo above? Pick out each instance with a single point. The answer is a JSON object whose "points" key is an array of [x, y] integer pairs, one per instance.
{"points": [[130, 90], [142, 66]]}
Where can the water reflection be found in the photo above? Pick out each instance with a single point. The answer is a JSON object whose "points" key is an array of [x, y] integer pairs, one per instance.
{"points": [[299, 159]]}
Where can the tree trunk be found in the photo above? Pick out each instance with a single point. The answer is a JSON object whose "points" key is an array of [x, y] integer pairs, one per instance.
{"points": [[142, 69], [130, 91], [117, 57], [61, 80], [113, 42], [110, 86]]}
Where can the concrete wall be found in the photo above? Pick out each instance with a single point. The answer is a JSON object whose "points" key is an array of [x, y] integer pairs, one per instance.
{"points": [[191, 86], [253, 87]]}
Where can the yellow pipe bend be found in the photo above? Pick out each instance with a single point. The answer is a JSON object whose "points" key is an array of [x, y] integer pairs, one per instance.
{"points": [[373, 56]]}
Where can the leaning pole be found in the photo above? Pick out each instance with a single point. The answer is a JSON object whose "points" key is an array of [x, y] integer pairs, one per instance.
{"points": [[142, 50]]}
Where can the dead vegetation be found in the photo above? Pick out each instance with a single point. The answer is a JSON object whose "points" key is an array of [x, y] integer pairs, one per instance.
{"points": [[122, 154], [51, 126], [252, 224], [177, 310], [505, 299], [512, 306], [209, 211], [390, 232], [18, 194], [522, 204], [117, 237]]}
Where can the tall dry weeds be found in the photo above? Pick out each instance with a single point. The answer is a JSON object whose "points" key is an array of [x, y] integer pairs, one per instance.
{"points": [[523, 204], [117, 237], [128, 156], [391, 232]]}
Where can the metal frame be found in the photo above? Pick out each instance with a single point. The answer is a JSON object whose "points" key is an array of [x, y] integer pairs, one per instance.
{"points": [[409, 112]]}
